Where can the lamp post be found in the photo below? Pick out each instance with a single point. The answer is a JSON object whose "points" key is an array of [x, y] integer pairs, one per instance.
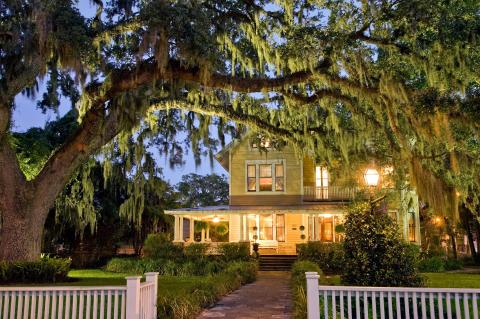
{"points": [[371, 178]]}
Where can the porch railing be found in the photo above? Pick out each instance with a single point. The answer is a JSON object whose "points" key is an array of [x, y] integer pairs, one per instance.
{"points": [[135, 300], [389, 302], [329, 193]]}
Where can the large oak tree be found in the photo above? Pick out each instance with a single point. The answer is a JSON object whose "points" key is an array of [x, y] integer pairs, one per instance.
{"points": [[390, 79]]}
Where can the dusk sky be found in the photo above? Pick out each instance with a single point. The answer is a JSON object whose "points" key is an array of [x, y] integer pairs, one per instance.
{"points": [[27, 115]]}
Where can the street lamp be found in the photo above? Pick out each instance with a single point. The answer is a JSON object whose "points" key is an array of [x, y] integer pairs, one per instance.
{"points": [[371, 177]]}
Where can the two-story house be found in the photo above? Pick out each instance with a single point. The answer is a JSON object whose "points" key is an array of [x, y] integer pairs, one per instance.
{"points": [[279, 199]]}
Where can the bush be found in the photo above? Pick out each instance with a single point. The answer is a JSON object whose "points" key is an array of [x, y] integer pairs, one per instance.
{"points": [[453, 264], [206, 292], [328, 256], [298, 280], [438, 264], [46, 270], [196, 251], [375, 253], [432, 264], [159, 246], [234, 251]]}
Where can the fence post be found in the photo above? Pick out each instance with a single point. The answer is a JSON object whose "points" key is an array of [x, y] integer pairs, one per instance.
{"points": [[133, 297], [313, 299], [153, 278]]}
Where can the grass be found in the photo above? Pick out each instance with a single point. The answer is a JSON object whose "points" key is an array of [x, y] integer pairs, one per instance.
{"points": [[433, 280], [171, 285]]}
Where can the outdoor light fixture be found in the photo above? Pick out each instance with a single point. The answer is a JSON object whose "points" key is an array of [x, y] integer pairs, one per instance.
{"points": [[216, 219], [371, 177]]}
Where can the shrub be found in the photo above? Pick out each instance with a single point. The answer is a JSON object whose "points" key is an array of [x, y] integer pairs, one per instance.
{"points": [[234, 251], [432, 264], [328, 256], [196, 251], [159, 246], [298, 280], [206, 292], [453, 264], [46, 270], [375, 253]]}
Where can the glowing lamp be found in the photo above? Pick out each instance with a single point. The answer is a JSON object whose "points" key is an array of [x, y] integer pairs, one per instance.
{"points": [[216, 219], [371, 177]]}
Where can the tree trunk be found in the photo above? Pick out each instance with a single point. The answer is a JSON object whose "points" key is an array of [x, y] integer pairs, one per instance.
{"points": [[22, 229]]}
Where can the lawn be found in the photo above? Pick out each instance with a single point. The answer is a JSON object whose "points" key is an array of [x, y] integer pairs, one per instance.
{"points": [[96, 277], [435, 280]]}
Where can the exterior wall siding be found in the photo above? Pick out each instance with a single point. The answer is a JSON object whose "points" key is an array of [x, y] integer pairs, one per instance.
{"points": [[293, 177]]}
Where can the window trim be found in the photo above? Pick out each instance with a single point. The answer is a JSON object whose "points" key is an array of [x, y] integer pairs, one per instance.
{"points": [[257, 164]]}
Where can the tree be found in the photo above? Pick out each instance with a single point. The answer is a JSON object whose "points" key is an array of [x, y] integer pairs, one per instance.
{"points": [[375, 253], [200, 191], [327, 77]]}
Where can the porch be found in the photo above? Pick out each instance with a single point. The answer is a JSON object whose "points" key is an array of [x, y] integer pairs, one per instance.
{"points": [[277, 230]]}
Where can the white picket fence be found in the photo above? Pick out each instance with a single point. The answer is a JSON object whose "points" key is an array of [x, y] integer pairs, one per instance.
{"points": [[389, 302], [136, 300]]}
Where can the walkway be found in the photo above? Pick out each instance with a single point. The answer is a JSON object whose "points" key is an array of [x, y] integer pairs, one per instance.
{"points": [[268, 297]]}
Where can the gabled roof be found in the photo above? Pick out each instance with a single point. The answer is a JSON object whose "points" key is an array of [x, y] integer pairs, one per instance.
{"points": [[223, 156]]}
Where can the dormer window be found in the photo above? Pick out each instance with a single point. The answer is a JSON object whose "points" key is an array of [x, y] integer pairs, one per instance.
{"points": [[265, 176]]}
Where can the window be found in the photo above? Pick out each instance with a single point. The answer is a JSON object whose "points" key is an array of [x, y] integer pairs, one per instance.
{"points": [[411, 227], [279, 181], [265, 178], [280, 225], [251, 178], [321, 182], [265, 228]]}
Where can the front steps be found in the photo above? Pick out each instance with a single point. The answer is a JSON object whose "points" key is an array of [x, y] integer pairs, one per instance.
{"points": [[276, 262]]}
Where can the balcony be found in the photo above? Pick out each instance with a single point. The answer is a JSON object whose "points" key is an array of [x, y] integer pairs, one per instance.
{"points": [[329, 193]]}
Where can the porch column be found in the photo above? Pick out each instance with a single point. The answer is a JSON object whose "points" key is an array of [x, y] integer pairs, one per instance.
{"points": [[202, 236], [305, 226], [192, 230], [176, 224], [240, 216], [180, 237], [208, 233]]}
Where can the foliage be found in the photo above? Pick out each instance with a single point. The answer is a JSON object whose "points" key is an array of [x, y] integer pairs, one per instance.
{"points": [[328, 256], [160, 246], [200, 191], [207, 292], [234, 251], [46, 270], [439, 264], [196, 251], [298, 281], [375, 253], [432, 264]]}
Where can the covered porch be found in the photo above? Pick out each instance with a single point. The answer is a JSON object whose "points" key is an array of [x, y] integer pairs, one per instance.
{"points": [[277, 230]]}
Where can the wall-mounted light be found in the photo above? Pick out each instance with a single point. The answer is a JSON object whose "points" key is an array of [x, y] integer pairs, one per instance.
{"points": [[371, 177]]}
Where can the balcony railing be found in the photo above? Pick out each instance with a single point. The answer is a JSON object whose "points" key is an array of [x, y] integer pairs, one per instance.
{"points": [[329, 193]]}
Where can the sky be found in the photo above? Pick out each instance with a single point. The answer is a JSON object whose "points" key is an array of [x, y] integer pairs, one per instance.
{"points": [[27, 115]]}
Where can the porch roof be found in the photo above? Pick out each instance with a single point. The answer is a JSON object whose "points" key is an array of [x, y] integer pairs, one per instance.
{"points": [[247, 209]]}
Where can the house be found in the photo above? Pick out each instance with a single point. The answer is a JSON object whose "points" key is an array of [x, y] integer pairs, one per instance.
{"points": [[279, 200]]}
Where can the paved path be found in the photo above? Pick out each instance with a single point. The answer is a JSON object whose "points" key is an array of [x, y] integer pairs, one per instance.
{"points": [[268, 297]]}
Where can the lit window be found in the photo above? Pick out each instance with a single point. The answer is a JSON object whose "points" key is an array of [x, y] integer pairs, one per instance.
{"points": [[411, 227], [265, 179], [280, 227], [265, 227], [279, 180], [321, 182], [251, 178]]}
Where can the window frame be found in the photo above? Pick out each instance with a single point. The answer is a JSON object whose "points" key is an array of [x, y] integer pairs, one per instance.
{"points": [[273, 164]]}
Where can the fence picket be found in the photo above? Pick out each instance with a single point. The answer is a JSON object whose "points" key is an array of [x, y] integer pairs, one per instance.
{"points": [[13, 298], [20, 304], [427, 303], [33, 305], [115, 306], [5, 305]]}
